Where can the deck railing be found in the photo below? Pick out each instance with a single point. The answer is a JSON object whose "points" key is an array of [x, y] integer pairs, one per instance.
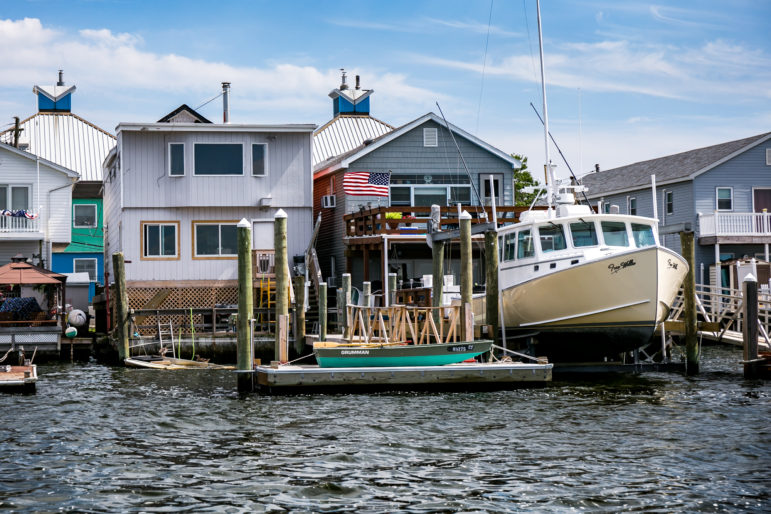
{"points": [[14, 224], [412, 220], [735, 224]]}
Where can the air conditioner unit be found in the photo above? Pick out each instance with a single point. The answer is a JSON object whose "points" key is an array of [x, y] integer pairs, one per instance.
{"points": [[328, 201]]}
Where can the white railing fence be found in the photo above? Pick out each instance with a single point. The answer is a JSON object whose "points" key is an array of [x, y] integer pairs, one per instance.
{"points": [[735, 224], [14, 224]]}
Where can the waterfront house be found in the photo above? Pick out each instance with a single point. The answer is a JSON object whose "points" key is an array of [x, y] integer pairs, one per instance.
{"points": [[723, 191], [58, 135], [375, 230], [175, 189]]}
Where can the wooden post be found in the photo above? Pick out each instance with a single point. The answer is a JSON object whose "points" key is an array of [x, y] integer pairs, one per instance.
{"points": [[437, 254], [282, 278], [244, 350], [282, 331], [340, 301], [750, 325], [391, 288], [299, 314], [346, 301], [466, 279], [322, 311], [365, 252], [491, 272], [689, 305], [366, 288], [121, 305]]}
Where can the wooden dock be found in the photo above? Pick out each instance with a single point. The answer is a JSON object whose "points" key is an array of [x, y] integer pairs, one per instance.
{"points": [[284, 379]]}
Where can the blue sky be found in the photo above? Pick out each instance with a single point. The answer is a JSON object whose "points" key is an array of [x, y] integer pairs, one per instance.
{"points": [[626, 80]]}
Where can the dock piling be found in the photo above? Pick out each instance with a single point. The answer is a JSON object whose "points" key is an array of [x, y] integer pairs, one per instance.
{"points": [[437, 253], [245, 307], [391, 288], [491, 289], [346, 301], [366, 288], [299, 314], [689, 304], [121, 305], [750, 326], [322, 311], [466, 277], [281, 265]]}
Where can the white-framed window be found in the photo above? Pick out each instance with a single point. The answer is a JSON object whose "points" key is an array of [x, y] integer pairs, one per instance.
{"points": [[484, 186], [176, 159], [85, 266], [213, 239], [724, 198], [14, 197], [425, 190], [259, 159], [160, 239], [84, 215], [218, 159], [669, 200], [768, 156], [430, 137]]}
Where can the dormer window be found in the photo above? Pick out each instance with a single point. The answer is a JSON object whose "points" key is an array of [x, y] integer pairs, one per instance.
{"points": [[430, 137]]}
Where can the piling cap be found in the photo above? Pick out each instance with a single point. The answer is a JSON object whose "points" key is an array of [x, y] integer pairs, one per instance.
{"points": [[280, 214], [465, 215], [243, 223], [750, 278]]}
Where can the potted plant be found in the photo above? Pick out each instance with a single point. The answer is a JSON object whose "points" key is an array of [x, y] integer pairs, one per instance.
{"points": [[408, 219], [393, 219]]}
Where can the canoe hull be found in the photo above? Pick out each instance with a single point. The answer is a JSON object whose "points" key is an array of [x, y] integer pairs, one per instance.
{"points": [[406, 355], [172, 364]]}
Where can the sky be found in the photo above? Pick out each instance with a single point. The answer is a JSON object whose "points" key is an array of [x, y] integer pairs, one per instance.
{"points": [[626, 80]]}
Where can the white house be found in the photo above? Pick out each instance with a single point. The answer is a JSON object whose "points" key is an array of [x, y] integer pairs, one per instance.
{"points": [[35, 205]]}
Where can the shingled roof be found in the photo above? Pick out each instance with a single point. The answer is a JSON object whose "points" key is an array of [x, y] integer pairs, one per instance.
{"points": [[672, 168]]}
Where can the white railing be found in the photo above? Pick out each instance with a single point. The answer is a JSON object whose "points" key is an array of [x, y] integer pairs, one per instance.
{"points": [[735, 224], [14, 224]]}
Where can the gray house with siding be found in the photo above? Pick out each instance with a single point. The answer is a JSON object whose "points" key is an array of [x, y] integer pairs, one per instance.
{"points": [[174, 191], [724, 191], [425, 168]]}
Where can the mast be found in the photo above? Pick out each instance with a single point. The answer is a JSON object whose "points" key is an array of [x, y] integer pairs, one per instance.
{"points": [[547, 165]]}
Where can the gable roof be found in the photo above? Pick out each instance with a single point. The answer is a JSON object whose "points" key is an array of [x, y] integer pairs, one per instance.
{"points": [[344, 133], [66, 139], [53, 93], [184, 108], [345, 160], [45, 162], [668, 169]]}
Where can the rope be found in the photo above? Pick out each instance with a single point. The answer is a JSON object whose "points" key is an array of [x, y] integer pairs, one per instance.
{"points": [[514, 353], [6, 354], [299, 359]]}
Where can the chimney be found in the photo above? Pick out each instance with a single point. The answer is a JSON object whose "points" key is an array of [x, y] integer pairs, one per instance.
{"points": [[226, 102], [358, 86], [596, 168], [343, 85], [61, 78], [16, 131]]}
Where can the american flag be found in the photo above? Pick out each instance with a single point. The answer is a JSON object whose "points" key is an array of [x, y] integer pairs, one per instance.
{"points": [[364, 183]]}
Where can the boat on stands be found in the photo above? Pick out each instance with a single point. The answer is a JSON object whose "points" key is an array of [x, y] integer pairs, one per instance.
{"points": [[352, 355], [585, 284]]}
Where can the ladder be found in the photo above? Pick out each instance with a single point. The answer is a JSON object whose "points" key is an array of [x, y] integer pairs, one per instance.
{"points": [[170, 334]]}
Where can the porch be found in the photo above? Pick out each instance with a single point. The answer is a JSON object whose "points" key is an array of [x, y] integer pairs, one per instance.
{"points": [[735, 228], [13, 225]]}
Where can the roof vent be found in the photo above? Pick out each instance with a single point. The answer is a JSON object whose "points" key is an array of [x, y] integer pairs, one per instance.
{"points": [[596, 168], [343, 85], [367, 142], [61, 78]]}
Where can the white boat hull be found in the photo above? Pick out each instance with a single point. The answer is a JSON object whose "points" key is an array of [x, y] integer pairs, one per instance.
{"points": [[594, 309]]}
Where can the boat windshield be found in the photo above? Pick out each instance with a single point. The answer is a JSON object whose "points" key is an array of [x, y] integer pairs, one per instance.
{"points": [[552, 237], [614, 233], [525, 247], [509, 246], [643, 235], [584, 234]]}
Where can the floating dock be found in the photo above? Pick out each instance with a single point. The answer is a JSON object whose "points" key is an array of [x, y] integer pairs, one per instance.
{"points": [[290, 379]]}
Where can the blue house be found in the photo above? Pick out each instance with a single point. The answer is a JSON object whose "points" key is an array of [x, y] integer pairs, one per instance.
{"points": [[723, 190], [57, 134]]}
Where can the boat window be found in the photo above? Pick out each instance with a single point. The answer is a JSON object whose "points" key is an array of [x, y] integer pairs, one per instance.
{"points": [[584, 234], [552, 237], [643, 235], [509, 246], [614, 233], [525, 246]]}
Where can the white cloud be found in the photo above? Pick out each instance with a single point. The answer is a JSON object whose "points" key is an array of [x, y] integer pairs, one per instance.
{"points": [[473, 26]]}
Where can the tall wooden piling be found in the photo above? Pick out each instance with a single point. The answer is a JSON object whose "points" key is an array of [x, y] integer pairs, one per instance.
{"points": [[346, 301], [491, 279], [437, 254], [366, 288], [391, 288], [322, 311], [466, 277], [299, 314], [750, 326], [121, 305], [282, 275], [689, 305], [244, 351]]}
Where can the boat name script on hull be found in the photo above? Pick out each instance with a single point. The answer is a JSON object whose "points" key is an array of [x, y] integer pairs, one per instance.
{"points": [[354, 352], [615, 268]]}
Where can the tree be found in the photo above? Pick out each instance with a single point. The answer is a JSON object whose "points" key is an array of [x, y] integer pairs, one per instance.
{"points": [[522, 179]]}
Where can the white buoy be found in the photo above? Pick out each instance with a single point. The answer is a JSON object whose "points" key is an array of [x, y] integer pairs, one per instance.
{"points": [[76, 318], [71, 332]]}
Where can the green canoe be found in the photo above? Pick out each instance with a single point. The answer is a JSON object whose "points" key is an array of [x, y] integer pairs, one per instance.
{"points": [[334, 355]]}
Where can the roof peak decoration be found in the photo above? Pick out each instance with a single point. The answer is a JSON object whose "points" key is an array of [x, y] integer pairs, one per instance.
{"points": [[350, 101], [57, 98], [183, 114]]}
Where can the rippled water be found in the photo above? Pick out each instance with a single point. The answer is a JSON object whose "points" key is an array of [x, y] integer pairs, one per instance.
{"points": [[96, 438]]}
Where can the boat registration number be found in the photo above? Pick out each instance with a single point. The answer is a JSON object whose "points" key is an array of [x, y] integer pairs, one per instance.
{"points": [[462, 348]]}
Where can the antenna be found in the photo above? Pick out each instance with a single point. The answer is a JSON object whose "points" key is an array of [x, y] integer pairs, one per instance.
{"points": [[549, 169]]}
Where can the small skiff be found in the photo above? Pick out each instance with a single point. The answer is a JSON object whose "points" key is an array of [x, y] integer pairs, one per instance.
{"points": [[155, 362], [346, 355]]}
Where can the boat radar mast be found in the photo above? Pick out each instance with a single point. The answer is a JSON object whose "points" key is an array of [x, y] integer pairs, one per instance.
{"points": [[547, 164]]}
